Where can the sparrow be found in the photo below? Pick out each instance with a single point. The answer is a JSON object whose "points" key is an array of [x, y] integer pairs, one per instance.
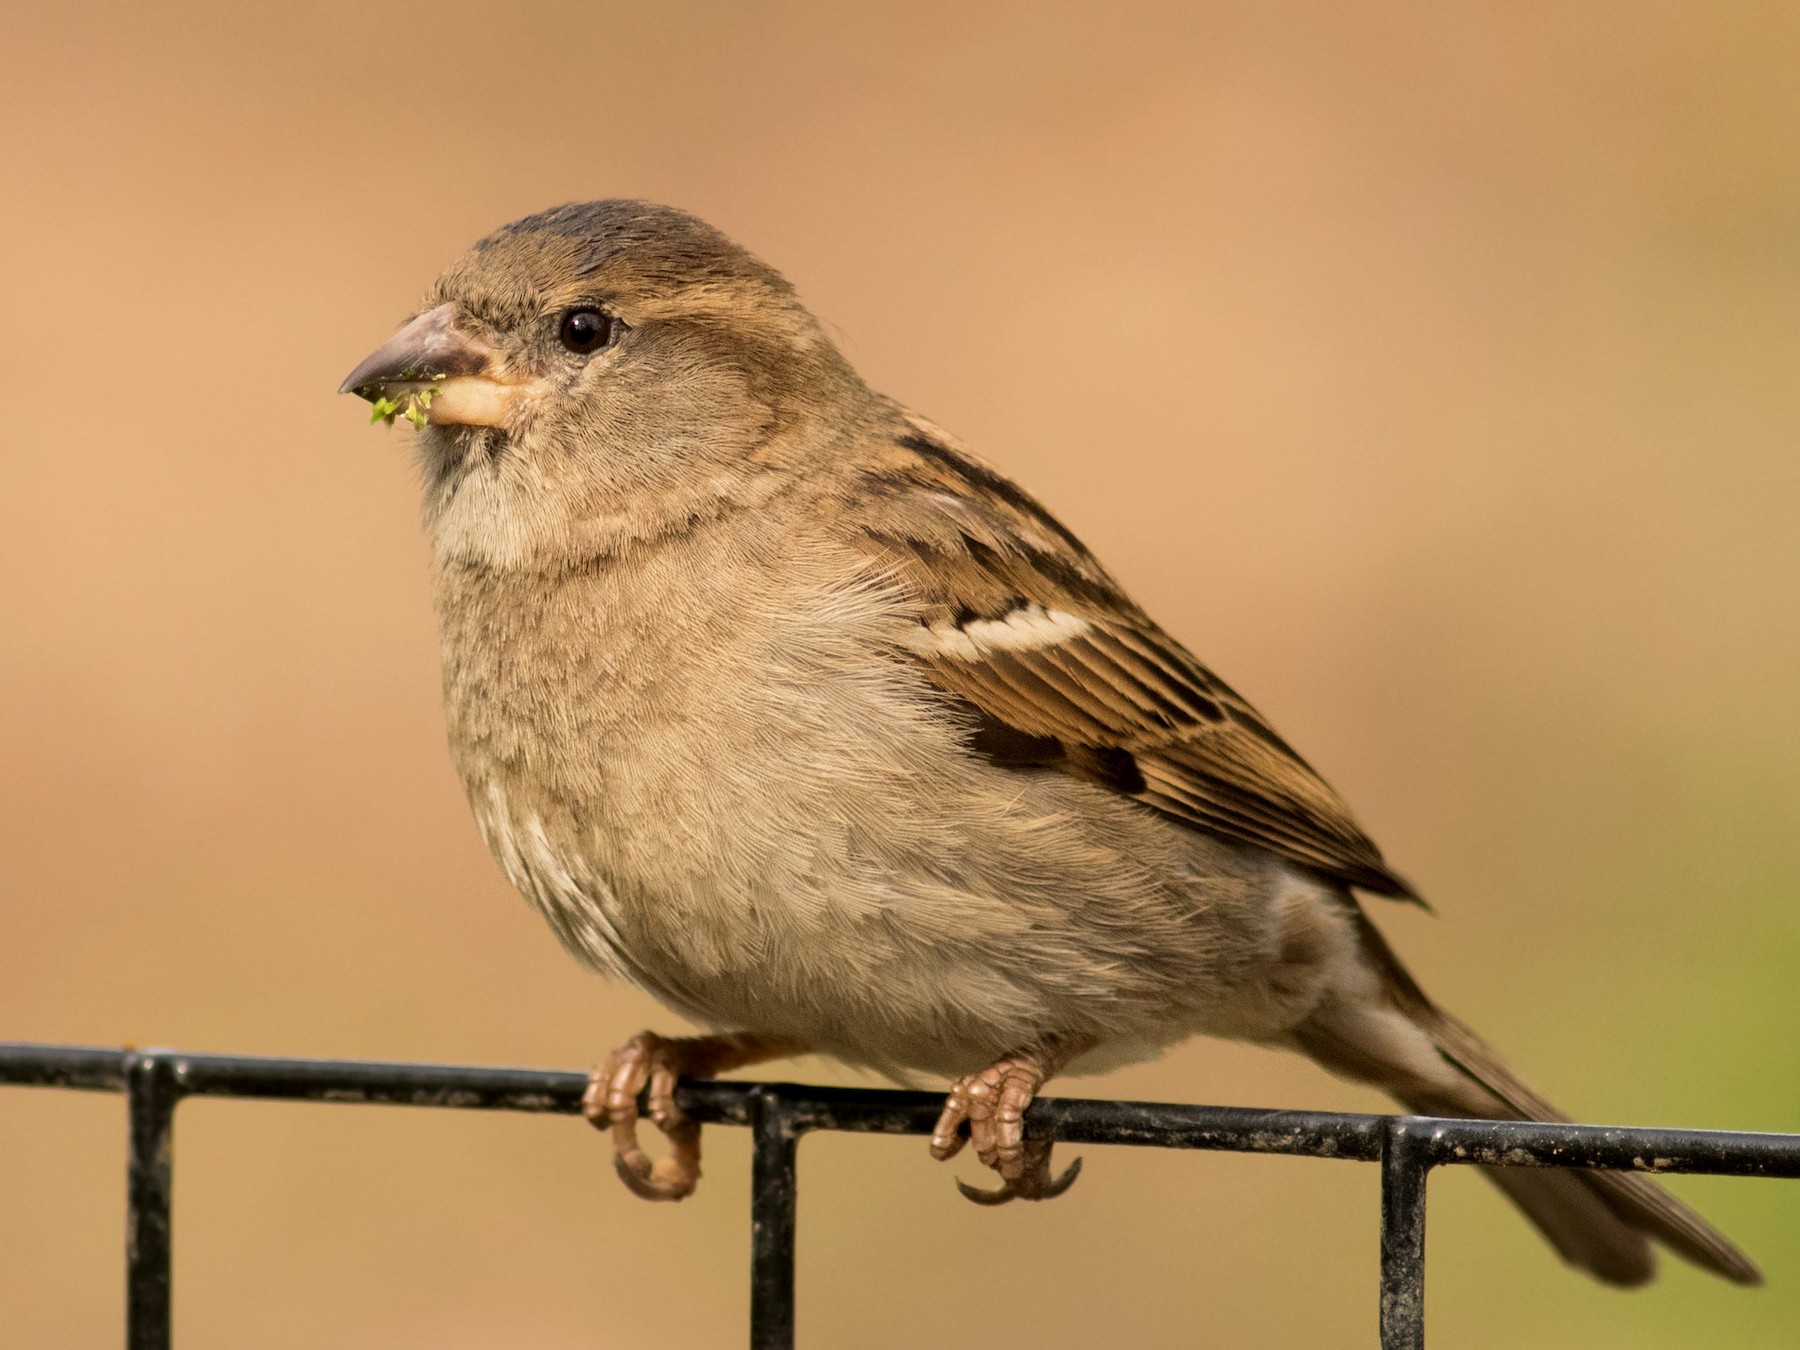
{"points": [[776, 701]]}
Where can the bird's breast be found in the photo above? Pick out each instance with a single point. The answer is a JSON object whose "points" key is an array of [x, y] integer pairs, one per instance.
{"points": [[669, 754]]}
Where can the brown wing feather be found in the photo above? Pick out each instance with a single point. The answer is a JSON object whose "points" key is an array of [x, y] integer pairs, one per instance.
{"points": [[1058, 668]]}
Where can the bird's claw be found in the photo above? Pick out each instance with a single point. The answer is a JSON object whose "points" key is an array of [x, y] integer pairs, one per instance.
{"points": [[1048, 1189], [611, 1103], [992, 1103]]}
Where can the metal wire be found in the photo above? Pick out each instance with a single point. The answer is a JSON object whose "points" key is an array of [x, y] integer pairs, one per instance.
{"points": [[779, 1114]]}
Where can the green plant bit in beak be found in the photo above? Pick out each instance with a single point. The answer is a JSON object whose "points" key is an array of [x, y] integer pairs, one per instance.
{"points": [[413, 405], [420, 403]]}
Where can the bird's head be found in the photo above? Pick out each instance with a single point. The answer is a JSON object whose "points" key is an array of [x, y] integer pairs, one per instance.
{"points": [[598, 372]]}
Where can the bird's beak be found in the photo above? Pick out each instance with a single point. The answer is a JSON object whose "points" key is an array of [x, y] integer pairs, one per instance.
{"points": [[431, 370]]}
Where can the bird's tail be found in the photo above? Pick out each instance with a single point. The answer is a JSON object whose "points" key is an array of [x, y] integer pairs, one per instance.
{"points": [[1394, 1037]]}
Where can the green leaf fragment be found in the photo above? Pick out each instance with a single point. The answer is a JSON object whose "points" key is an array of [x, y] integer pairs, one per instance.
{"points": [[421, 402], [412, 405]]}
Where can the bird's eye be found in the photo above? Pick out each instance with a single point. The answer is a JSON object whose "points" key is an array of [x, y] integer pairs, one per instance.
{"points": [[588, 330]]}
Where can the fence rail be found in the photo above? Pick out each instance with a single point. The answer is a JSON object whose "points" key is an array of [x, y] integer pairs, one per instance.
{"points": [[778, 1114]]}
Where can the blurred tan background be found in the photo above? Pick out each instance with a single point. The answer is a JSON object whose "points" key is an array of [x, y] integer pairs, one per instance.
{"points": [[1474, 331]]}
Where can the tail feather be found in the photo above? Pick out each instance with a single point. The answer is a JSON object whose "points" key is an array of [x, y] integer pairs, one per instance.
{"points": [[1600, 1221], [1635, 1199], [1576, 1221]]}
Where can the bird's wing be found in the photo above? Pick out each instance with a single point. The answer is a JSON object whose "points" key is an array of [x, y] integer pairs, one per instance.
{"points": [[1057, 668]]}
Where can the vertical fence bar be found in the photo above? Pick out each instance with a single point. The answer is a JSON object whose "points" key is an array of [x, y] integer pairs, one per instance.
{"points": [[151, 1094], [1404, 1165], [774, 1191]]}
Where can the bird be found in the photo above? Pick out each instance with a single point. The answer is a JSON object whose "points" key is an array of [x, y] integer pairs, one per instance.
{"points": [[777, 701]]}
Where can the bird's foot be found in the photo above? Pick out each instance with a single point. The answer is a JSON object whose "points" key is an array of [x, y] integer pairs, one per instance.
{"points": [[993, 1103], [652, 1062], [611, 1103]]}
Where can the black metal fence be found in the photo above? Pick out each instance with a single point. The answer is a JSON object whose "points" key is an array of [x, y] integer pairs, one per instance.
{"points": [[778, 1114]]}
